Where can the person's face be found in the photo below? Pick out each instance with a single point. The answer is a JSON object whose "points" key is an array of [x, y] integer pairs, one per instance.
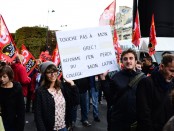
{"points": [[129, 61], [168, 71], [4, 79], [146, 62], [52, 75]]}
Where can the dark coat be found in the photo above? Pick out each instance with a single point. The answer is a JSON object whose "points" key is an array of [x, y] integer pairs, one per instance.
{"points": [[45, 106], [83, 84], [123, 112], [12, 107], [154, 106]]}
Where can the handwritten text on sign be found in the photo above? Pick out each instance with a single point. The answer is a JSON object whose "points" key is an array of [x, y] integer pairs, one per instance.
{"points": [[86, 52]]}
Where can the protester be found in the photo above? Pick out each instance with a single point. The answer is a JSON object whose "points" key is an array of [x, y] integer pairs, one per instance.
{"points": [[148, 65], [83, 85], [169, 126], [32, 87], [93, 94], [54, 100], [154, 105], [122, 94], [165, 53], [20, 75], [11, 101]]}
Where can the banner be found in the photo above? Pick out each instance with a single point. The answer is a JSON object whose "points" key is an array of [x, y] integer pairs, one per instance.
{"points": [[7, 46], [86, 52], [136, 31], [29, 61], [117, 46], [56, 60], [45, 56], [108, 16], [152, 38]]}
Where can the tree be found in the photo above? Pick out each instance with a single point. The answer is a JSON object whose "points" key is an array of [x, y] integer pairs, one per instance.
{"points": [[34, 38]]}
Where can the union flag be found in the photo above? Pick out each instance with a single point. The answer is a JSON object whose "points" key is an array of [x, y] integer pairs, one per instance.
{"points": [[136, 31], [56, 60], [108, 16], [7, 46], [152, 38]]}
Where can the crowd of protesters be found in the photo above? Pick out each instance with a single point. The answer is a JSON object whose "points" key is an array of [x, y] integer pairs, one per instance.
{"points": [[139, 96]]}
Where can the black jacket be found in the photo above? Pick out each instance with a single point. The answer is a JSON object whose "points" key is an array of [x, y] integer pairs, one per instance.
{"points": [[12, 107], [83, 84], [154, 106], [45, 106], [123, 111]]}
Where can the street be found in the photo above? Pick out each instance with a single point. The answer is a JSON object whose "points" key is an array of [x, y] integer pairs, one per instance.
{"points": [[96, 126]]}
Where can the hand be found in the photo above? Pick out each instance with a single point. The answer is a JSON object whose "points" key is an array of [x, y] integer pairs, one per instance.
{"points": [[103, 76], [71, 82]]}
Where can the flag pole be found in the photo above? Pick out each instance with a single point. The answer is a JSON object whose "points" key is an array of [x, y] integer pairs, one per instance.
{"points": [[47, 32]]}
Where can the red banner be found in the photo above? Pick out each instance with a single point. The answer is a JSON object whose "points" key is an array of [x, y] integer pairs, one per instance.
{"points": [[108, 16], [152, 38], [56, 60], [29, 61], [117, 46], [7, 46], [136, 31], [45, 56], [55, 56]]}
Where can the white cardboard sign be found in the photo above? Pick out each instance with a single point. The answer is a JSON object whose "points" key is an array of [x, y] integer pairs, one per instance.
{"points": [[86, 52]]}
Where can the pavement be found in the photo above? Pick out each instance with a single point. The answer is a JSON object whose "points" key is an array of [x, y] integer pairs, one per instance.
{"points": [[96, 126]]}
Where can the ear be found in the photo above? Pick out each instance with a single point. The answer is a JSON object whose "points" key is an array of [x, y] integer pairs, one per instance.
{"points": [[161, 66]]}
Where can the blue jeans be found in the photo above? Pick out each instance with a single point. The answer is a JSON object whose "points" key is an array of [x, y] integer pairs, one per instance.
{"points": [[94, 96], [83, 106]]}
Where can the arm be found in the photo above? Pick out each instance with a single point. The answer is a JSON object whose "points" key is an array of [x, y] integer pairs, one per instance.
{"points": [[107, 87], [23, 77], [72, 93], [38, 112], [144, 102]]}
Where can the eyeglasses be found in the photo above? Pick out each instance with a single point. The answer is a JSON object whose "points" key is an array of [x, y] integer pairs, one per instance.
{"points": [[51, 73]]}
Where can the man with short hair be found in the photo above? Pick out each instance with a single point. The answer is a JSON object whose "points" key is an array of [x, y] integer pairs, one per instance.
{"points": [[154, 105], [121, 95], [148, 65]]}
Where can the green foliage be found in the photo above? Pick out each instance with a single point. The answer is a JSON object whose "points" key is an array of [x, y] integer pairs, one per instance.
{"points": [[35, 39]]}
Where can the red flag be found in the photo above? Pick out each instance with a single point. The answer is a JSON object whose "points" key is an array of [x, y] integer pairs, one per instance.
{"points": [[56, 60], [108, 16], [55, 56], [136, 31], [152, 38], [45, 56], [7, 46], [29, 61], [116, 44]]}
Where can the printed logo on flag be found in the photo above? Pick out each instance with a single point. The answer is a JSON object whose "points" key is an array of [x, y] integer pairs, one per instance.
{"points": [[9, 50], [30, 64]]}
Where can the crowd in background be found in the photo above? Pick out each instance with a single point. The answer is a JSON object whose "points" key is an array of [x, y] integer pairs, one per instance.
{"points": [[140, 92]]}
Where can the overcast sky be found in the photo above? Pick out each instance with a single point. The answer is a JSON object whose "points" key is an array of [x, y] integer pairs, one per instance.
{"points": [[73, 13]]}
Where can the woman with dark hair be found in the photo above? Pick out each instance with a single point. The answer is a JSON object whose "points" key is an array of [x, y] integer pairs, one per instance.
{"points": [[11, 101], [54, 100]]}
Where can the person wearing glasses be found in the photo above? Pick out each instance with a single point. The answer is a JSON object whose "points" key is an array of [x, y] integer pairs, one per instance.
{"points": [[54, 100]]}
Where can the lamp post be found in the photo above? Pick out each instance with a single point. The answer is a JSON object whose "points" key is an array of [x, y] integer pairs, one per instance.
{"points": [[48, 47]]}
